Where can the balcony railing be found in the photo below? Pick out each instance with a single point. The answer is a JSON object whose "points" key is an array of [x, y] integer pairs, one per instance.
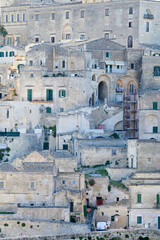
{"points": [[148, 16]]}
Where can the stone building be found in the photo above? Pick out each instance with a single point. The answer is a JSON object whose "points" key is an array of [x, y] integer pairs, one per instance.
{"points": [[144, 200], [31, 188]]}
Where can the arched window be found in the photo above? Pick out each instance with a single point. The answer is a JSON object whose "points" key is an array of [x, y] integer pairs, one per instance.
{"points": [[1, 54], [11, 54], [48, 110], [157, 71], [148, 14], [130, 42]]}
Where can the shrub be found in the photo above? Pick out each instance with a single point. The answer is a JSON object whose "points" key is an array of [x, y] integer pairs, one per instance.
{"points": [[91, 182], [23, 224], [73, 237], [37, 225], [80, 238], [31, 226], [89, 238], [126, 236], [107, 162], [109, 188], [18, 222], [103, 172], [6, 225], [143, 238], [114, 135]]}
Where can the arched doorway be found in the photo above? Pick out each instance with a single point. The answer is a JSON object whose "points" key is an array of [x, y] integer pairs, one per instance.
{"points": [[102, 91]]}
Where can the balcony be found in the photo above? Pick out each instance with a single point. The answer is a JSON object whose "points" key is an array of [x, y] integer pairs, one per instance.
{"points": [[148, 16], [156, 205]]}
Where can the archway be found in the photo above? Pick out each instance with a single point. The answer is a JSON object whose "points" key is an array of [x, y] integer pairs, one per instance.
{"points": [[118, 126], [102, 91]]}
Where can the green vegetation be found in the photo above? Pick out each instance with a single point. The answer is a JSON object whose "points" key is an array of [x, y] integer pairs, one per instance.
{"points": [[4, 152], [6, 212], [6, 225], [80, 238], [73, 237], [3, 31], [103, 172], [109, 188], [53, 128], [89, 238], [115, 238], [91, 182], [31, 226], [118, 184], [143, 238], [114, 135], [23, 224], [18, 222], [126, 236]]}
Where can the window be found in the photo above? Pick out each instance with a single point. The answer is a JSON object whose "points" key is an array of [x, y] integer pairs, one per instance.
{"points": [[156, 71], [46, 146], [131, 10], [82, 14], [138, 198], [149, 160], [82, 37], [11, 54], [1, 54], [49, 94], [63, 182], [67, 15], [9, 41], [1, 184], [36, 40], [117, 66], [6, 18], [73, 182], [107, 12], [48, 110], [112, 218], [7, 113], [18, 40], [32, 185], [155, 105], [24, 17], [68, 36], [29, 95], [52, 39], [158, 199], [107, 54], [130, 24], [12, 18], [65, 146], [131, 88], [132, 65], [56, 64], [62, 93], [53, 16], [130, 42], [17, 17], [106, 35], [113, 152], [155, 129], [147, 26], [139, 220], [32, 75], [6, 54], [31, 63], [102, 213], [63, 64], [36, 17]]}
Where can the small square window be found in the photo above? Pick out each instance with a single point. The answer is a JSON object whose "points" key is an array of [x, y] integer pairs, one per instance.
{"points": [[106, 35], [32, 185], [117, 66], [1, 184], [63, 182], [113, 152], [36, 40], [67, 15], [73, 182], [82, 37], [32, 75], [131, 10], [139, 220], [155, 105], [102, 213], [132, 65], [155, 129], [107, 12], [149, 160], [82, 14], [130, 24]]}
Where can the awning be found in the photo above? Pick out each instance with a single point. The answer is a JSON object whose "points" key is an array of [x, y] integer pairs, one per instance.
{"points": [[121, 63]]}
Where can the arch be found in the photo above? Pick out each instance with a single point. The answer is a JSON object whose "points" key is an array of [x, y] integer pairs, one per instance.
{"points": [[119, 83], [102, 91], [126, 81], [132, 87], [118, 126], [106, 84], [67, 32], [150, 121], [130, 42], [93, 77]]}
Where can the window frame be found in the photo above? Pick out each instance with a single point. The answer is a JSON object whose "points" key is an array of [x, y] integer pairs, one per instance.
{"points": [[155, 105], [130, 10], [67, 15], [139, 198], [82, 14], [30, 187], [106, 12]]}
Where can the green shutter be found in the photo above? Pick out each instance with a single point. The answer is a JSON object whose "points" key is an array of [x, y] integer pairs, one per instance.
{"points": [[46, 146], [65, 146], [138, 198], [107, 54], [139, 220], [64, 93], [59, 93], [158, 198], [51, 95], [48, 110], [47, 94], [85, 210], [29, 95], [155, 129], [155, 105]]}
